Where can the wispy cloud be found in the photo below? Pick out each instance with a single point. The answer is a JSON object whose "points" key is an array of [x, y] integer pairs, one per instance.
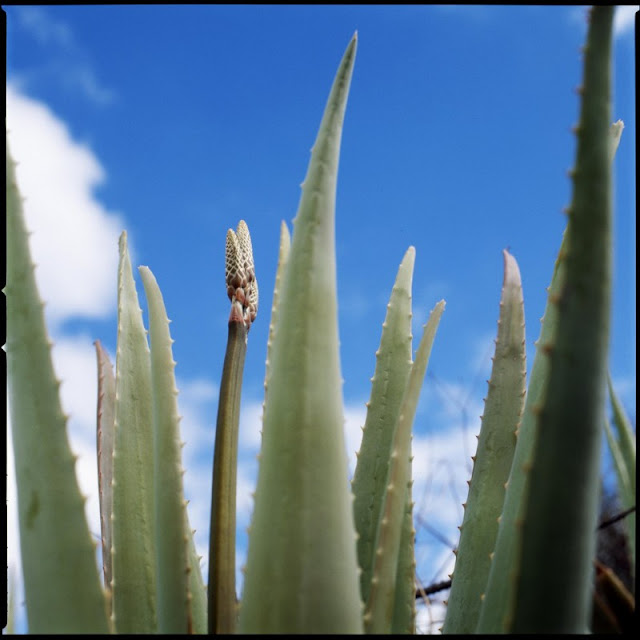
{"points": [[84, 77], [66, 61], [45, 29]]}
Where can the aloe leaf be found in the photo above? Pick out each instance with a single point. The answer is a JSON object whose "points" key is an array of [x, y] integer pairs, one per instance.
{"points": [[404, 609], [301, 573], [496, 444], [623, 449], [626, 440], [393, 364], [105, 434], [283, 254], [500, 593], [10, 627], [133, 553], [172, 535], [62, 586], [380, 605], [558, 534], [624, 481], [197, 589]]}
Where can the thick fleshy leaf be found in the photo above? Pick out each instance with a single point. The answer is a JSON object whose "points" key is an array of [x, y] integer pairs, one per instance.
{"points": [[133, 553], [492, 463], [62, 587], [623, 449], [393, 365], [301, 573], [559, 534], [500, 594], [105, 432], [382, 596], [171, 527]]}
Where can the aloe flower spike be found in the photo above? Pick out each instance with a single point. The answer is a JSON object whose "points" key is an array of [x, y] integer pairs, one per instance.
{"points": [[242, 289], [242, 286]]}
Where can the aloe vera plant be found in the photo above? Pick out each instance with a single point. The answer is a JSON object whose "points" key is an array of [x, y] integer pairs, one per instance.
{"points": [[323, 556]]}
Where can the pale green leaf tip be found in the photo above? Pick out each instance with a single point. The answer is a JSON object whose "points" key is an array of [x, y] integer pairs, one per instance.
{"points": [[511, 270]]}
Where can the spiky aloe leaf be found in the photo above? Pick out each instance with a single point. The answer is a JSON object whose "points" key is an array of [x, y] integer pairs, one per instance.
{"points": [[61, 582], [172, 533], [403, 620], [105, 433], [496, 444], [197, 589], [381, 603], [133, 553], [283, 255], [393, 365], [623, 449], [559, 526], [301, 573], [500, 593], [622, 474]]}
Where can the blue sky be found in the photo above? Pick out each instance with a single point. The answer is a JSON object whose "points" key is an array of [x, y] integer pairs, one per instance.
{"points": [[175, 122]]}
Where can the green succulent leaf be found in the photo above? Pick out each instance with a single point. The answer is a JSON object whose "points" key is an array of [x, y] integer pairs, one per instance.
{"points": [[53, 528], [404, 609], [393, 365], [301, 573], [171, 527], [197, 588], [133, 553], [499, 597], [558, 536], [382, 596], [623, 449], [283, 254], [496, 444], [105, 434]]}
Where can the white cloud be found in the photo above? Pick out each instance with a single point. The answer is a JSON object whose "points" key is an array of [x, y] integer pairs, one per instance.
{"points": [[624, 19], [75, 239]]}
